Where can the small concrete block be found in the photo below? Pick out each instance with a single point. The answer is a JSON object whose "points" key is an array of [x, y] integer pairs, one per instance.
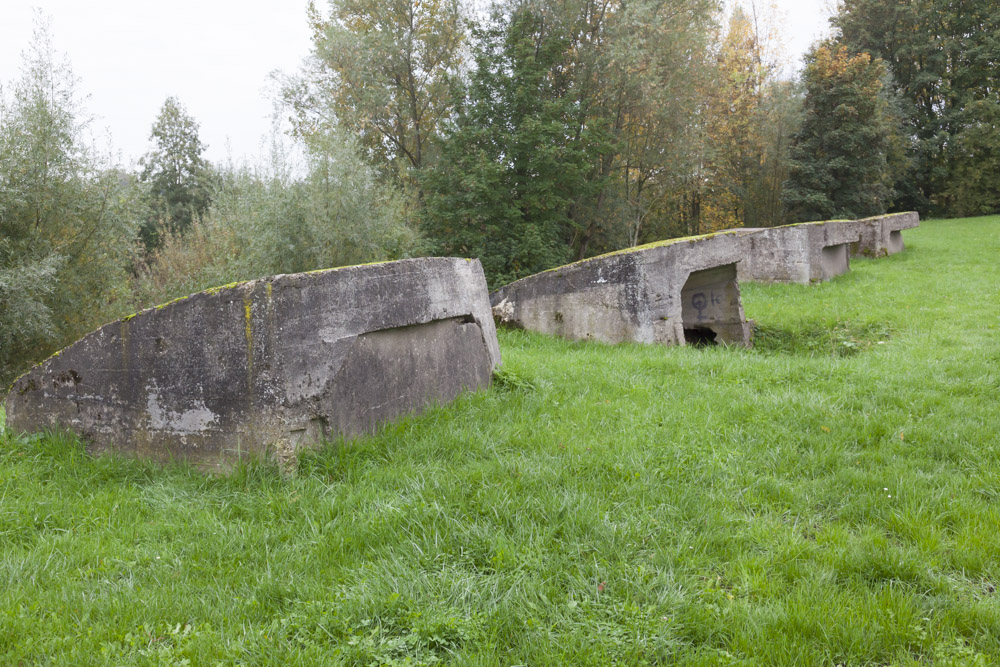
{"points": [[671, 292], [883, 235], [802, 253], [269, 366]]}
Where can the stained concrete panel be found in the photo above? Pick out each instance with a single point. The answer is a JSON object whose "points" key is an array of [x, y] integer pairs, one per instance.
{"points": [[268, 366], [711, 308], [648, 294], [801, 253], [895, 243], [835, 260], [883, 235]]}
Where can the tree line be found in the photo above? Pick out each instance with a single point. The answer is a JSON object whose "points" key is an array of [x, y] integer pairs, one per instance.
{"points": [[528, 133]]}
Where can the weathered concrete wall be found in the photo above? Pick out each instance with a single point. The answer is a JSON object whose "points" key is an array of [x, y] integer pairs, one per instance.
{"points": [[801, 253], [270, 365], [883, 235], [656, 293]]}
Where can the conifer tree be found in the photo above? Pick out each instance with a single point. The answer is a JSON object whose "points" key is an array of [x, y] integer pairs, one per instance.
{"points": [[839, 156], [511, 171], [176, 174]]}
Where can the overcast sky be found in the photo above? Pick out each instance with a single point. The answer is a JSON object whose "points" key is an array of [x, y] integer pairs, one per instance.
{"points": [[213, 55]]}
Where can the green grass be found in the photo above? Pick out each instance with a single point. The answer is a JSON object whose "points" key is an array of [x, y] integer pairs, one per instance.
{"points": [[831, 497]]}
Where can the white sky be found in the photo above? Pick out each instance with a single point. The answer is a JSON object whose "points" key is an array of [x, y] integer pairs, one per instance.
{"points": [[801, 22], [215, 56]]}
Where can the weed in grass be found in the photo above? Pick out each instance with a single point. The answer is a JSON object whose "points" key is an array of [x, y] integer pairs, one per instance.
{"points": [[508, 379]]}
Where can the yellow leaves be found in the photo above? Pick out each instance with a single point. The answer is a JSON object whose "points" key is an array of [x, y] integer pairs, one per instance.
{"points": [[834, 62]]}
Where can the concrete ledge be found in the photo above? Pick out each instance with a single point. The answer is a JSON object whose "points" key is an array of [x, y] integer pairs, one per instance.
{"points": [[671, 292], [269, 366], [802, 253], [883, 235]]}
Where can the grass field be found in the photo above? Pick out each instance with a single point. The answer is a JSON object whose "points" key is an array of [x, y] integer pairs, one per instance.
{"points": [[830, 497]]}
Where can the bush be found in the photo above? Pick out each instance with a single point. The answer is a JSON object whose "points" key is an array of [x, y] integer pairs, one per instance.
{"points": [[266, 221]]}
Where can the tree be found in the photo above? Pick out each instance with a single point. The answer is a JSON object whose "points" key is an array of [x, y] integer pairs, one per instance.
{"points": [[383, 70], [839, 159], [781, 117], [510, 171], [748, 126], [66, 234], [572, 124], [942, 56], [735, 156], [177, 176], [338, 213], [283, 217], [643, 63], [733, 107]]}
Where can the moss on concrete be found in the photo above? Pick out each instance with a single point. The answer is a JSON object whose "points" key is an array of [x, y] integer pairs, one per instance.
{"points": [[634, 249]]}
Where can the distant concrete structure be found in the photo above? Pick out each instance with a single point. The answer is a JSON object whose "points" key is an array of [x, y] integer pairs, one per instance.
{"points": [[269, 366], [883, 235], [672, 292], [804, 253]]}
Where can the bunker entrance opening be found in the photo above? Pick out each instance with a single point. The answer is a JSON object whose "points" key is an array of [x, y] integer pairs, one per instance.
{"points": [[895, 242], [711, 312], [835, 260], [699, 337]]}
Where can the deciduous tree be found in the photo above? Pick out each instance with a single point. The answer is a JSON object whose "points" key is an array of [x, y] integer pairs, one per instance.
{"points": [[66, 234], [284, 217], [382, 70], [942, 56]]}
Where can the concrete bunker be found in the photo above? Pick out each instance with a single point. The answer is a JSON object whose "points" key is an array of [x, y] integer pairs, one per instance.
{"points": [[801, 253], [269, 366], [883, 235], [676, 292]]}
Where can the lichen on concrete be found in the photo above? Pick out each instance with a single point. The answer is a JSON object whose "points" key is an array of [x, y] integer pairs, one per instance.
{"points": [[800, 253], [663, 292], [883, 235], [269, 366]]}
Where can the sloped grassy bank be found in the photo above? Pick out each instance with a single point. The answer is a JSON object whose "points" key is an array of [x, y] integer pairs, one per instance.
{"points": [[832, 496]]}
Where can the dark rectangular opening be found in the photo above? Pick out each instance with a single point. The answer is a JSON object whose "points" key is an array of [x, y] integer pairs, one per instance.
{"points": [[699, 337]]}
